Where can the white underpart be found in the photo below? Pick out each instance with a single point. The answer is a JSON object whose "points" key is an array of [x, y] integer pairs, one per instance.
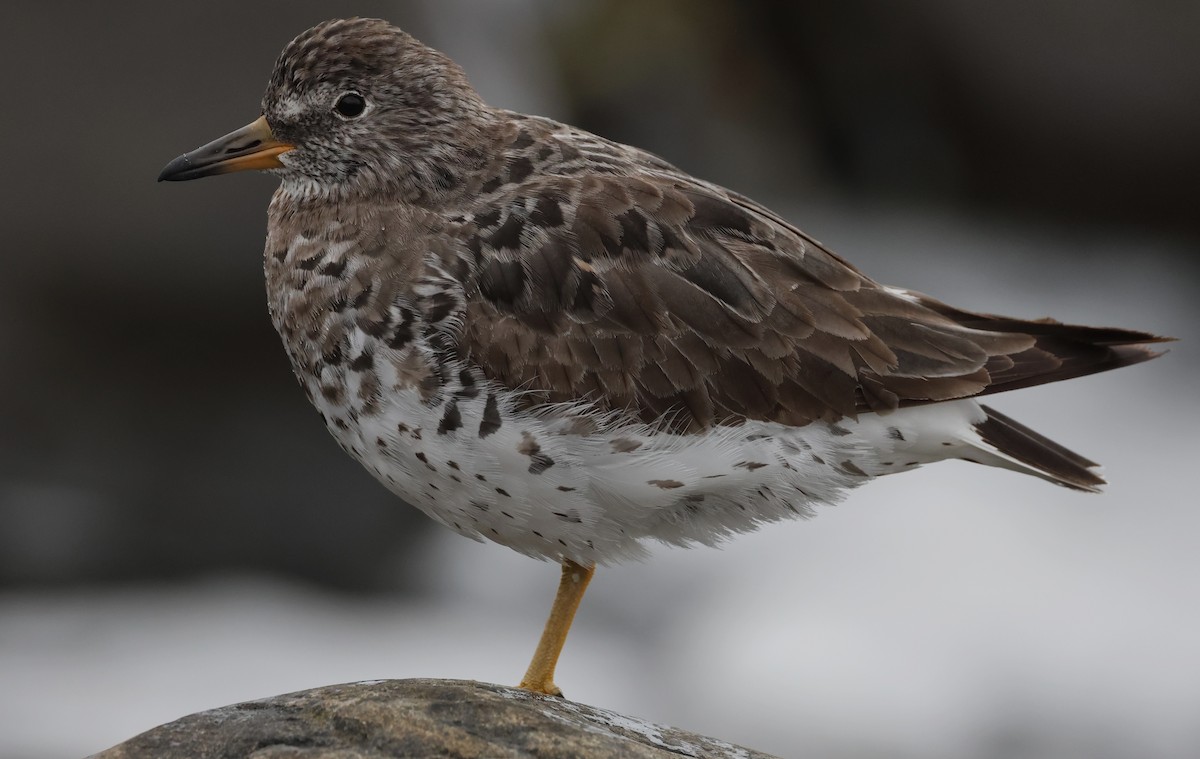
{"points": [[596, 497], [608, 491]]}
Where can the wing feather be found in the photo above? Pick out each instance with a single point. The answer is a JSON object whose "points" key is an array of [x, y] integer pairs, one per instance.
{"points": [[684, 304]]}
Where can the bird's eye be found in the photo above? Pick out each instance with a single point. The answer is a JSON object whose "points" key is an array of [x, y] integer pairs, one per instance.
{"points": [[350, 105]]}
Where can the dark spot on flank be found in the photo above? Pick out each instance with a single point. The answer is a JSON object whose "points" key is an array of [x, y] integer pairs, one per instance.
{"points": [[502, 281], [403, 334], [363, 362], [625, 445], [417, 434], [838, 430], [849, 467], [947, 443], [441, 305], [565, 489], [528, 445], [364, 295], [817, 459], [505, 513], [453, 465], [491, 416], [568, 517], [481, 478], [280, 254], [481, 505], [401, 428], [508, 234], [341, 424], [451, 419], [895, 434], [503, 492], [547, 212], [422, 457], [519, 169], [633, 230], [335, 356], [568, 152], [750, 466], [665, 484], [469, 388], [309, 264], [488, 218], [334, 268], [539, 463], [374, 327], [524, 140], [671, 241], [332, 393], [540, 535], [491, 185]]}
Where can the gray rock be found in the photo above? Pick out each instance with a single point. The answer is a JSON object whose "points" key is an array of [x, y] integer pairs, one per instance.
{"points": [[385, 719]]}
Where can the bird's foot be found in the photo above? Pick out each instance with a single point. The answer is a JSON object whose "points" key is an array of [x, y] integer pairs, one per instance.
{"points": [[545, 687]]}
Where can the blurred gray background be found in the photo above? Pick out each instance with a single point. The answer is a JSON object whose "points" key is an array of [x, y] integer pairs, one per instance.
{"points": [[177, 530]]}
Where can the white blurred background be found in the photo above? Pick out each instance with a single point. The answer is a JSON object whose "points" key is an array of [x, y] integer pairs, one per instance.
{"points": [[177, 532]]}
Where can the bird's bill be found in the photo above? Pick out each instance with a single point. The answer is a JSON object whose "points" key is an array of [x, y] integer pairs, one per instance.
{"points": [[254, 146]]}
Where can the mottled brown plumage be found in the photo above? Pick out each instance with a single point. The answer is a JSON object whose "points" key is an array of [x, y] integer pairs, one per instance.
{"points": [[569, 346], [641, 287]]}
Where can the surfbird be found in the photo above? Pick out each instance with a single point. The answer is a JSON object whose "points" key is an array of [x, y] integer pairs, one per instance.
{"points": [[571, 347]]}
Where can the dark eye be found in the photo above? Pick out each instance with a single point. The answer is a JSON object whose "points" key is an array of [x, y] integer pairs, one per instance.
{"points": [[351, 105]]}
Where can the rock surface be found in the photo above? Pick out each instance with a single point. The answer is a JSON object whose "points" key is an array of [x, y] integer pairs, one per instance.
{"points": [[385, 719]]}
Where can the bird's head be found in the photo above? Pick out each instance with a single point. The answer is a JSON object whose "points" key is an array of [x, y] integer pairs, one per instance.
{"points": [[355, 107]]}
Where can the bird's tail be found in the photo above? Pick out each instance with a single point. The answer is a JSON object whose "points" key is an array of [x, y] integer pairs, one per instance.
{"points": [[1007, 443], [967, 430], [1060, 351]]}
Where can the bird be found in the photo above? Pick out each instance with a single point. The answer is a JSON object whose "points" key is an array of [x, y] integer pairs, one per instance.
{"points": [[571, 347]]}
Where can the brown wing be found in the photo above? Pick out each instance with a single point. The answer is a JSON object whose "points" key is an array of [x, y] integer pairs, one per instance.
{"points": [[689, 305]]}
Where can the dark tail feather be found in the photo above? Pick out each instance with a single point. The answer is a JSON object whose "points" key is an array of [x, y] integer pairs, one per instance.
{"points": [[1053, 358], [1038, 454], [1061, 351]]}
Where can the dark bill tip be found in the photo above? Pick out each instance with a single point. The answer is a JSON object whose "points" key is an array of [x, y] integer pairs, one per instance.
{"points": [[254, 146], [178, 170]]}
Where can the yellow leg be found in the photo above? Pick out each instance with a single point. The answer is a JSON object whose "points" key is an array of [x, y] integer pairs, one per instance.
{"points": [[539, 678]]}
